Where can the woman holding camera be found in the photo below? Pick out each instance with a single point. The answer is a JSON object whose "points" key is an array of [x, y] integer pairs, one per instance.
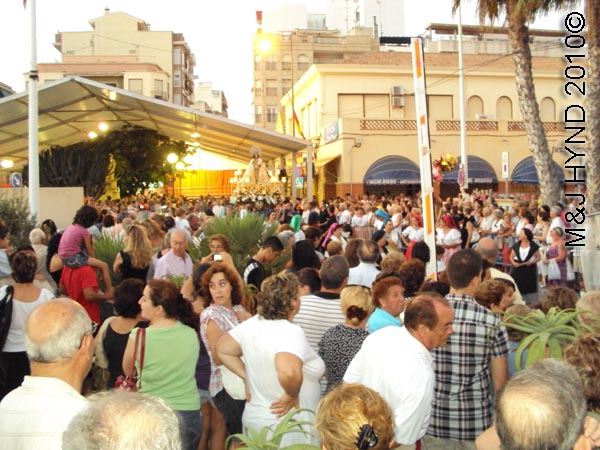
{"points": [[222, 312]]}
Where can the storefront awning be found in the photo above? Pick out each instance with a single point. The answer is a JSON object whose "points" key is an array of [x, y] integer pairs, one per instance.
{"points": [[525, 173], [392, 170], [480, 172]]}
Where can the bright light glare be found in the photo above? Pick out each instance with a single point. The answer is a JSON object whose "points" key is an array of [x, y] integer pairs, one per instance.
{"points": [[194, 135], [180, 165], [7, 163], [102, 126], [92, 135], [172, 158], [264, 45]]}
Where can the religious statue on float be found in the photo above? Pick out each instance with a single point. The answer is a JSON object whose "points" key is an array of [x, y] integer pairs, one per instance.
{"points": [[257, 172], [256, 184]]}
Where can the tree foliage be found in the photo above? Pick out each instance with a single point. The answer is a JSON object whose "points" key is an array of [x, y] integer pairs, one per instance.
{"points": [[80, 164], [14, 212], [592, 105], [139, 154], [518, 15]]}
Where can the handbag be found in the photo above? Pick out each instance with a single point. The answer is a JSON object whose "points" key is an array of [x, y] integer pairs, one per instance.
{"points": [[100, 354], [6, 308], [553, 270], [129, 382], [233, 384]]}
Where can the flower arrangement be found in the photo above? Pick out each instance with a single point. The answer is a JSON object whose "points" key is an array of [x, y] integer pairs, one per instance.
{"points": [[445, 163], [251, 191]]}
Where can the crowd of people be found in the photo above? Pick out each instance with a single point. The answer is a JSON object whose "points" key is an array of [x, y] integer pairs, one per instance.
{"points": [[376, 345]]}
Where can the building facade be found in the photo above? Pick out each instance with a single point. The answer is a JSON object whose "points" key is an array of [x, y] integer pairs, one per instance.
{"points": [[209, 100], [360, 116], [122, 51], [280, 59]]}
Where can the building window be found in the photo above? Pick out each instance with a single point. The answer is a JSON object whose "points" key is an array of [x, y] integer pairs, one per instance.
{"points": [[176, 56], [271, 114], [547, 110], [474, 107], [258, 113], [158, 90], [303, 63], [286, 62], [364, 105], [286, 84], [136, 85], [504, 108], [271, 92], [270, 63]]}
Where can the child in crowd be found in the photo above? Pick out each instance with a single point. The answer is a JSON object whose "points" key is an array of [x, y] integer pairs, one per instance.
{"points": [[76, 249]]}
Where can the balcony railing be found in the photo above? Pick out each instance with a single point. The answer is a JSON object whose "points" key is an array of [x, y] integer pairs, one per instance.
{"points": [[454, 125], [470, 125], [374, 124]]}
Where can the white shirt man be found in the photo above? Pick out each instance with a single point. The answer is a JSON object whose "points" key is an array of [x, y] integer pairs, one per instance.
{"points": [[402, 373], [365, 273], [34, 415], [176, 261]]}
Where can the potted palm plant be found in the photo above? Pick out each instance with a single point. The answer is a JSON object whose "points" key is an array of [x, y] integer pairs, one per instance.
{"points": [[546, 334]]}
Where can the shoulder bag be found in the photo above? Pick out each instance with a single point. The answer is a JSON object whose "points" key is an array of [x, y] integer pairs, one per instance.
{"points": [[100, 354], [6, 308], [232, 383], [129, 382]]}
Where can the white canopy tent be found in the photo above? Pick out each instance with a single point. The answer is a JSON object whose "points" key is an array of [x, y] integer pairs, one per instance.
{"points": [[71, 107]]}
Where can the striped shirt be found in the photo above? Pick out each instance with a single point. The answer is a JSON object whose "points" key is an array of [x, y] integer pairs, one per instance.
{"points": [[463, 401], [318, 313]]}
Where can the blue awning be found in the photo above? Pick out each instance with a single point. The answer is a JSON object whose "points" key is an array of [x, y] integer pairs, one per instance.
{"points": [[480, 172], [392, 170], [525, 173]]}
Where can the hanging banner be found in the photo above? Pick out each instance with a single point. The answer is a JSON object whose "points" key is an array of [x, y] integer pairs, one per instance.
{"points": [[418, 65]]}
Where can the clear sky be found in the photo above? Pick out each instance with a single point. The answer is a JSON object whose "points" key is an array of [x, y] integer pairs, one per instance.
{"points": [[219, 34]]}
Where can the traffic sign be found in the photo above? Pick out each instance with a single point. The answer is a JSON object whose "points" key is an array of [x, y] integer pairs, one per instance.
{"points": [[15, 180]]}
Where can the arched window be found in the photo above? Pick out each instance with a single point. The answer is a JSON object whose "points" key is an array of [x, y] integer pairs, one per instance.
{"points": [[286, 61], [547, 110], [504, 108], [474, 107], [303, 62]]}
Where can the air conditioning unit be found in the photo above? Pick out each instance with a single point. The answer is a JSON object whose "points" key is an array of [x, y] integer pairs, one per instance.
{"points": [[397, 102], [485, 117], [397, 91]]}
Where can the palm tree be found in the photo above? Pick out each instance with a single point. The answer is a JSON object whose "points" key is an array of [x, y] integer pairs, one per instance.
{"points": [[592, 106], [519, 13]]}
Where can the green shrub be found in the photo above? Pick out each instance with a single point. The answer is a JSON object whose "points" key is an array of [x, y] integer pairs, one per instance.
{"points": [[547, 334], [244, 235], [14, 211], [269, 438], [106, 249]]}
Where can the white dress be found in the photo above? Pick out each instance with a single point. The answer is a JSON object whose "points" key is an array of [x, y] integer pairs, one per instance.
{"points": [[261, 340]]}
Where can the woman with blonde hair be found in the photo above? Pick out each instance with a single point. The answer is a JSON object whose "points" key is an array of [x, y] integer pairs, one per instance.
{"points": [[134, 260], [341, 343], [351, 417]]}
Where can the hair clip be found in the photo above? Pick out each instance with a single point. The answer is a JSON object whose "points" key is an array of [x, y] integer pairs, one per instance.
{"points": [[367, 438]]}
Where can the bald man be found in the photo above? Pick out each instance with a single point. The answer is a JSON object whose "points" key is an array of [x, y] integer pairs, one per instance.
{"points": [[176, 261], [488, 250], [60, 347]]}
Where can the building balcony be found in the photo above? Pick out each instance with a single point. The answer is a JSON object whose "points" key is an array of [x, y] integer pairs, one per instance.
{"points": [[443, 126], [161, 95]]}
